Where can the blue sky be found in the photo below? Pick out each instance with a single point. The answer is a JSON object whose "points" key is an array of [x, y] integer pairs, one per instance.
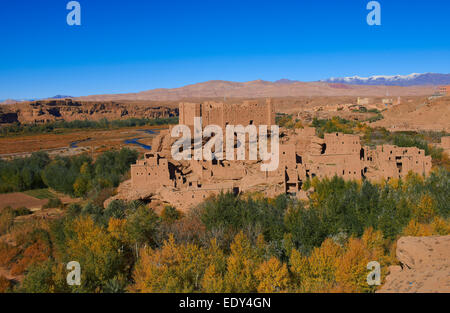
{"points": [[135, 45]]}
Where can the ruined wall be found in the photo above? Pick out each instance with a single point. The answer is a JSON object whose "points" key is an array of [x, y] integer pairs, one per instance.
{"points": [[150, 173], [345, 165], [445, 144], [445, 90], [217, 113], [187, 113], [195, 193], [395, 162], [288, 156], [338, 143]]}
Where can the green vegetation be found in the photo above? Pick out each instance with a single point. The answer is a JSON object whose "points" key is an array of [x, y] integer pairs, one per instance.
{"points": [[361, 109], [336, 124], [287, 121], [52, 204], [375, 118], [23, 173], [230, 243], [75, 176], [7, 216], [26, 129], [245, 243], [44, 193]]}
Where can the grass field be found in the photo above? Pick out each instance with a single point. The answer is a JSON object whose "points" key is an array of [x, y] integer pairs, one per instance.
{"points": [[40, 194]]}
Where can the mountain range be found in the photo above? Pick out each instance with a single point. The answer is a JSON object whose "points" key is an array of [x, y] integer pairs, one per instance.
{"points": [[264, 89], [397, 85], [12, 101], [414, 79]]}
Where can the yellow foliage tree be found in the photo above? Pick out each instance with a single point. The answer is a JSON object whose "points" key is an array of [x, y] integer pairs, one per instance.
{"points": [[412, 179], [96, 251], [118, 229], [424, 211], [213, 281], [176, 268], [241, 266], [414, 228], [272, 276], [316, 273], [351, 274], [438, 226], [351, 271]]}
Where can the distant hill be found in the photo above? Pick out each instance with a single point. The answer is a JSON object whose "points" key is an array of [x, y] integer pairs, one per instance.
{"points": [[13, 101], [414, 79], [286, 81], [261, 89], [60, 97], [374, 86], [9, 101]]}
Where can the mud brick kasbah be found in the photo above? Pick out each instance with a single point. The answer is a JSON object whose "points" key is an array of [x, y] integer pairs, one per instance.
{"points": [[302, 155]]}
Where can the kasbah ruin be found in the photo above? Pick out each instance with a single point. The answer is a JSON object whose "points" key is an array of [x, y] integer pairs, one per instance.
{"points": [[302, 156]]}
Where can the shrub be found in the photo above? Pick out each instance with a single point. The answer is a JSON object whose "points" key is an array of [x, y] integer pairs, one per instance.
{"points": [[6, 220], [53, 204], [8, 254], [169, 214], [22, 211], [5, 284]]}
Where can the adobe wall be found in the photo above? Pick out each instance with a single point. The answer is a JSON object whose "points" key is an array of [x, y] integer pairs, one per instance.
{"points": [[344, 165], [187, 112], [338, 143], [150, 173], [445, 142], [195, 194], [220, 170], [395, 162], [217, 113]]}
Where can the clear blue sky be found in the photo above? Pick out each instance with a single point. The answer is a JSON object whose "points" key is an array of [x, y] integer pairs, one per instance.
{"points": [[136, 45]]}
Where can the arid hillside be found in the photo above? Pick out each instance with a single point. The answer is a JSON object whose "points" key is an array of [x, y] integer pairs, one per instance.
{"points": [[260, 88], [68, 110], [418, 114]]}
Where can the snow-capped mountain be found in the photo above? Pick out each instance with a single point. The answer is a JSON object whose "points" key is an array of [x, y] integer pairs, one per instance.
{"points": [[395, 80]]}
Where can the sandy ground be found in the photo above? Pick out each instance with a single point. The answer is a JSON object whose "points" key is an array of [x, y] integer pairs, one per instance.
{"points": [[19, 200], [425, 266]]}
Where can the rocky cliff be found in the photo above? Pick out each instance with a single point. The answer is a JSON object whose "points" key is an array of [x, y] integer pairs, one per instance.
{"points": [[69, 110], [424, 265]]}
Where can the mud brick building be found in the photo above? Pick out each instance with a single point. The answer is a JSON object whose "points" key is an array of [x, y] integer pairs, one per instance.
{"points": [[302, 156]]}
